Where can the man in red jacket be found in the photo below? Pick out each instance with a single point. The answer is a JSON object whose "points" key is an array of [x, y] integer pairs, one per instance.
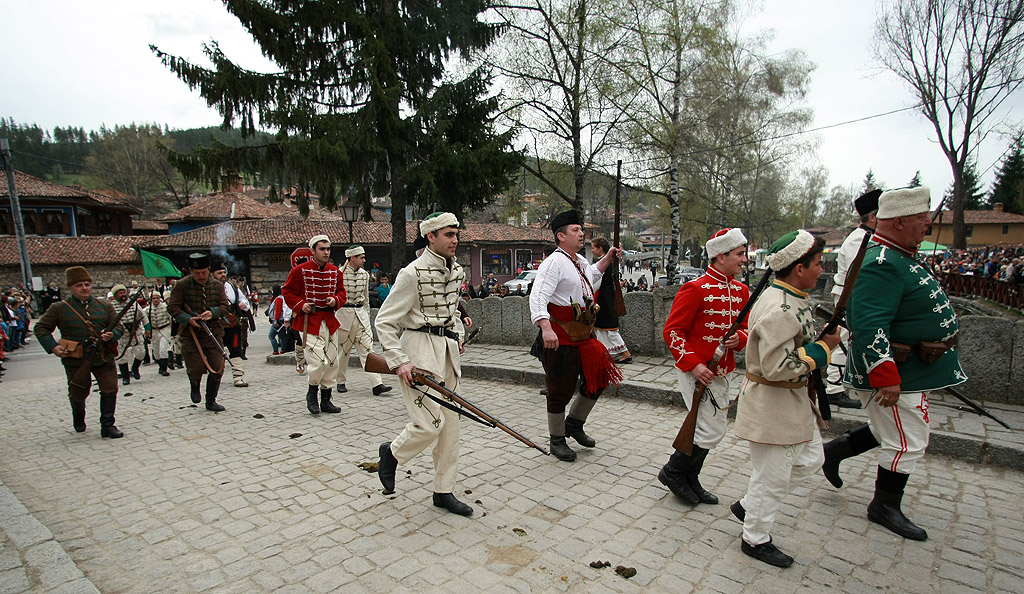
{"points": [[703, 311], [314, 291]]}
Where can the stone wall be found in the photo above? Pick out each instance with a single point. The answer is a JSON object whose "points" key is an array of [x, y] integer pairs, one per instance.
{"points": [[104, 276]]}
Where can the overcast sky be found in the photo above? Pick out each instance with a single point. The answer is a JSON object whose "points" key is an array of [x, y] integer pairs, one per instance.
{"points": [[88, 63]]}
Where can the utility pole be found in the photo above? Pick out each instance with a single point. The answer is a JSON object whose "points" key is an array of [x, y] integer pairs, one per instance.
{"points": [[19, 225]]}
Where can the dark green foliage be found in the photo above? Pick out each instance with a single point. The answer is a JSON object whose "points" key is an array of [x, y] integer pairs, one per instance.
{"points": [[974, 197], [1008, 186], [357, 104], [42, 154]]}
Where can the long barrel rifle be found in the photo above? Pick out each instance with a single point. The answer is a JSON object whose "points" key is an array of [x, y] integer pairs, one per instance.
{"points": [[972, 406], [206, 330], [684, 439], [377, 364], [81, 379]]}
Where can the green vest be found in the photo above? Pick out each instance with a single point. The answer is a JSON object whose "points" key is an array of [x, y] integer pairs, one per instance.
{"points": [[897, 300]]}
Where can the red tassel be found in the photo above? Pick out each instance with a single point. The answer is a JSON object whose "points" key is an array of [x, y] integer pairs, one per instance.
{"points": [[599, 370]]}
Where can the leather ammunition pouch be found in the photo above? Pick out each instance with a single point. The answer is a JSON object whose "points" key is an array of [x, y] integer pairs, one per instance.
{"points": [[73, 348], [581, 327], [927, 351]]}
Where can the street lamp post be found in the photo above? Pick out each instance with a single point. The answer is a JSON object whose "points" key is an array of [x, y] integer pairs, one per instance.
{"points": [[350, 211]]}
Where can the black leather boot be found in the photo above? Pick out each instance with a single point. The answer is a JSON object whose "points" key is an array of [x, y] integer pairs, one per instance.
{"points": [[847, 445], [885, 510], [767, 552], [126, 375], [195, 394], [561, 450], [135, 369], [341, 388], [450, 503], [212, 388], [162, 364], [179, 361], [692, 477], [380, 389], [574, 429], [108, 403], [386, 468], [170, 361], [325, 402], [311, 403], [841, 400], [78, 415], [674, 476]]}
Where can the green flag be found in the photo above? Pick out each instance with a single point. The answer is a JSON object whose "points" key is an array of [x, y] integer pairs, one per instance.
{"points": [[155, 265]]}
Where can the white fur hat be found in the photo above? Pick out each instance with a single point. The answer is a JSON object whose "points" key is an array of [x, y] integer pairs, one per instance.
{"points": [[354, 250], [437, 221], [317, 239], [904, 202], [725, 241], [789, 248]]}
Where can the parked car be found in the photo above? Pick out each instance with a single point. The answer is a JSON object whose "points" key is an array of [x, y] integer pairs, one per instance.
{"points": [[524, 280], [687, 273]]}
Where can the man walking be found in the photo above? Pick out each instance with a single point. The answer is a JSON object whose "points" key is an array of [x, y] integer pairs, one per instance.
{"points": [[132, 343], [606, 327], [354, 317], [158, 330], [314, 292], [235, 324]]}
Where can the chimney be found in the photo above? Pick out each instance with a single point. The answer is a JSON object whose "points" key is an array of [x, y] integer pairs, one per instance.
{"points": [[997, 207], [231, 182]]}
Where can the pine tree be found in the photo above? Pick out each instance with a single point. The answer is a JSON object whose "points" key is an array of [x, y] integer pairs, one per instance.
{"points": [[360, 105], [869, 183], [974, 197], [1008, 185]]}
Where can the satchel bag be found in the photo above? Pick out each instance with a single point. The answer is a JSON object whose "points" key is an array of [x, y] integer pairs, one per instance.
{"points": [[73, 348]]}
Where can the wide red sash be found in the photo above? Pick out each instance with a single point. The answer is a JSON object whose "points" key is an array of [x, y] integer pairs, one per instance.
{"points": [[599, 370]]}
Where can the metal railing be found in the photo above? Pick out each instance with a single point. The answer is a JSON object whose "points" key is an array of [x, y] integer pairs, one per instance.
{"points": [[1001, 292]]}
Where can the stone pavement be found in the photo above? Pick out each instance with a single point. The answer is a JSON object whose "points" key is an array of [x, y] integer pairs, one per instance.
{"points": [[266, 497]]}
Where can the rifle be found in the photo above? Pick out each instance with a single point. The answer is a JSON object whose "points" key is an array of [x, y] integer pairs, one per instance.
{"points": [[684, 439], [815, 384], [472, 336], [202, 324], [620, 302], [377, 364], [81, 379], [972, 406]]}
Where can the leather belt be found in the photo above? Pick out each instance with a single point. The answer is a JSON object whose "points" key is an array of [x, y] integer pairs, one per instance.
{"points": [[353, 305], [791, 385], [437, 331], [318, 308]]}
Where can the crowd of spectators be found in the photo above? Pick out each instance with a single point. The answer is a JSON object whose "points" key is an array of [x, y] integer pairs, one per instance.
{"points": [[1002, 263], [16, 309]]}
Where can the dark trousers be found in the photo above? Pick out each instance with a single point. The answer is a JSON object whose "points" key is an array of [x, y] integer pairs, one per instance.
{"points": [[234, 341], [105, 374], [194, 365], [562, 373]]}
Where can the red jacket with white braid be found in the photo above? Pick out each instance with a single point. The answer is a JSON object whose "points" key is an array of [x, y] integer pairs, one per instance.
{"points": [[702, 313], [313, 284]]}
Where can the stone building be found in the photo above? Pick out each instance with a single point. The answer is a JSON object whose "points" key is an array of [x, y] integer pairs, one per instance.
{"points": [[49, 209], [984, 227]]}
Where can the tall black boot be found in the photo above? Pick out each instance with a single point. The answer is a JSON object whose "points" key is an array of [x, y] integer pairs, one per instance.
{"points": [[146, 360], [195, 394], [135, 369], [170, 361], [574, 429], [692, 477], [108, 402], [78, 415], [212, 387], [885, 510], [311, 403], [325, 402], [847, 445], [179, 361], [162, 363], [126, 375], [674, 476], [561, 450]]}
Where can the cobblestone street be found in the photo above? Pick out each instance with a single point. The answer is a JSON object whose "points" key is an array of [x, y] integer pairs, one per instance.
{"points": [[266, 497]]}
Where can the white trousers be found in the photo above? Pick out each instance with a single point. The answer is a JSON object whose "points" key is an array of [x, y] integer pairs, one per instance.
{"points": [[611, 341], [711, 422], [902, 429], [321, 352], [431, 424], [837, 364], [775, 470], [137, 349], [161, 342], [360, 337]]}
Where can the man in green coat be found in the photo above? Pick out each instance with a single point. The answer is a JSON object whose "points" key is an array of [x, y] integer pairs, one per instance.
{"points": [[902, 348], [82, 320]]}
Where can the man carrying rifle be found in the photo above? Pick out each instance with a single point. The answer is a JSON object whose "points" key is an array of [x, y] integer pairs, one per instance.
{"points": [[702, 313], [235, 323], [423, 308], [197, 300], [902, 348], [776, 414], [562, 306], [867, 206], [83, 320], [132, 343], [354, 317]]}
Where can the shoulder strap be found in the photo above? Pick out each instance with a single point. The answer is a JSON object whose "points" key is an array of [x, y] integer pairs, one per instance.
{"points": [[87, 323]]}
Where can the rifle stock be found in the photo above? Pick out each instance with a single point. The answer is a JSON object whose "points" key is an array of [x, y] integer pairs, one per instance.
{"points": [[377, 364], [684, 438]]}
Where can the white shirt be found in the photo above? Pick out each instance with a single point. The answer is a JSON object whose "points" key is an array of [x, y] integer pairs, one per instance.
{"points": [[559, 282], [845, 257], [243, 301]]}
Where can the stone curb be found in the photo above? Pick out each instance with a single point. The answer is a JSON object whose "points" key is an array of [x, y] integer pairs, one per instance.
{"points": [[942, 443], [44, 565]]}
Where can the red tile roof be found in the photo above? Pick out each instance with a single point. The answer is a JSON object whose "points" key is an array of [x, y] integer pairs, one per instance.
{"points": [[221, 207], [290, 232], [32, 187], [72, 250], [980, 217], [148, 226]]}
